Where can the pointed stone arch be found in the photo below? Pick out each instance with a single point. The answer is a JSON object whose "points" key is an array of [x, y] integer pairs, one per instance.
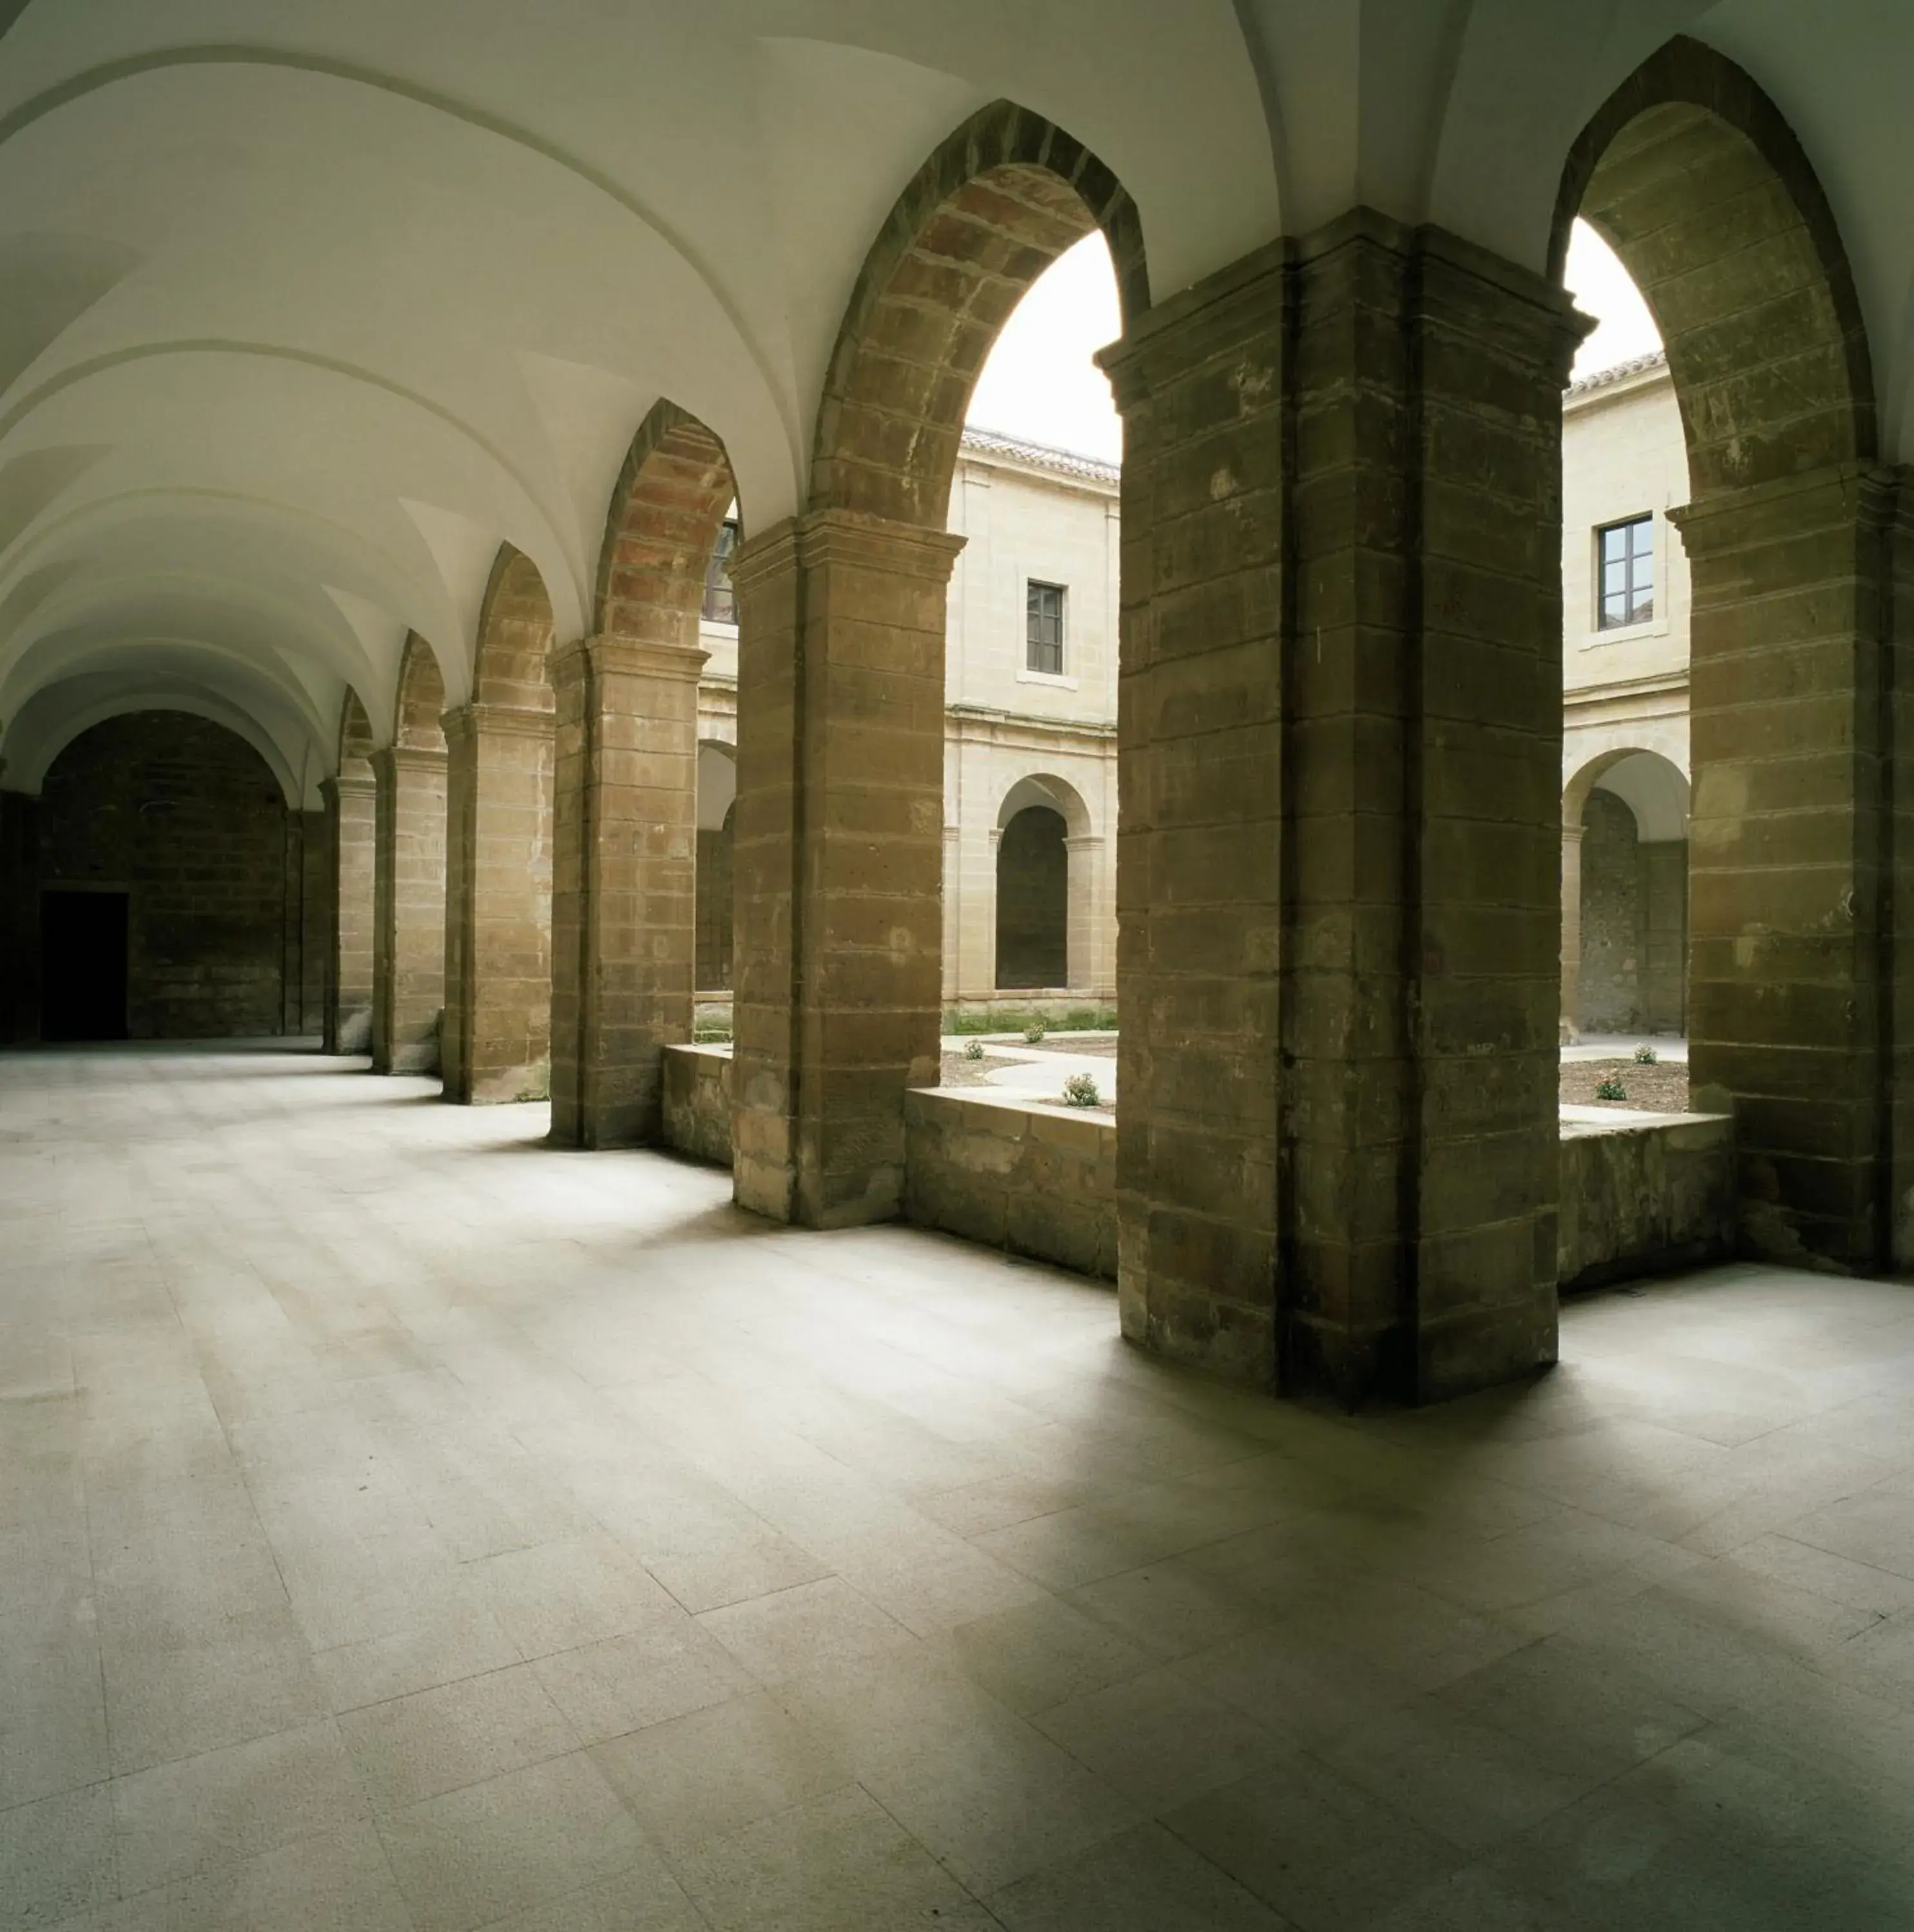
{"points": [[418, 716], [625, 906], [495, 1042], [1693, 176], [355, 745], [667, 509], [511, 662], [1001, 199], [1799, 553], [839, 850]]}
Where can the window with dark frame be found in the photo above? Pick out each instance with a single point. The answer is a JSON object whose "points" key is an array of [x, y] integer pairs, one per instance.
{"points": [[720, 601], [1043, 629], [1625, 556]]}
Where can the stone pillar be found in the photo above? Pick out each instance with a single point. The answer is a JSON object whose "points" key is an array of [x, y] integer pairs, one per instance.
{"points": [[351, 840], [1088, 915], [495, 1043], [1571, 933], [1799, 1010], [625, 906], [839, 843], [1340, 725], [409, 925]]}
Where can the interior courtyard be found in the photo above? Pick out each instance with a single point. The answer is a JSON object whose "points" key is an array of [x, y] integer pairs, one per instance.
{"points": [[769, 1158]]}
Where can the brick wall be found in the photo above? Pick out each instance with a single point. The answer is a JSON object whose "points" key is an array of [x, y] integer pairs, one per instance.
{"points": [[188, 818]]}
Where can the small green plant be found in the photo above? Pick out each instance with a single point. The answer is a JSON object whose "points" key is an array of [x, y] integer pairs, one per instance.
{"points": [[973, 1049], [1080, 1090], [1610, 1089], [1645, 1055], [1033, 1033]]}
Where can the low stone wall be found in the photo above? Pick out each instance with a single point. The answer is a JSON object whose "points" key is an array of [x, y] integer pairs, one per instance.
{"points": [[698, 1102], [1642, 1193], [1639, 1192], [1039, 1180]]}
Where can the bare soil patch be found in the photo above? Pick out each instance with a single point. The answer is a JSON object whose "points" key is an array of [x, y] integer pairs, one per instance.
{"points": [[1661, 1088]]}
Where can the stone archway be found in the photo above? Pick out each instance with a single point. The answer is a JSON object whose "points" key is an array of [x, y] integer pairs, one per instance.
{"points": [[624, 901], [1793, 537], [841, 724]]}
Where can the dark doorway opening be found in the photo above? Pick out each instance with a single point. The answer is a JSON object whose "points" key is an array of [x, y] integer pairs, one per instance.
{"points": [[83, 965], [1032, 901]]}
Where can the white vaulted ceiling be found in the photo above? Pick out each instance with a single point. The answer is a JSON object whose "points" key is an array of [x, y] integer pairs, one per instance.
{"points": [[305, 310]]}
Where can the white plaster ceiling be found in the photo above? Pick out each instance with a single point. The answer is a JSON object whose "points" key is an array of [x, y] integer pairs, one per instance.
{"points": [[308, 308]]}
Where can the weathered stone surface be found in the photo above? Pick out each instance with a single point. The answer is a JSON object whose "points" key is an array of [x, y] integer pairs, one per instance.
{"points": [[1640, 1196], [495, 1042], [838, 858], [624, 904], [695, 1106], [1797, 996], [351, 842], [999, 1169], [1332, 945]]}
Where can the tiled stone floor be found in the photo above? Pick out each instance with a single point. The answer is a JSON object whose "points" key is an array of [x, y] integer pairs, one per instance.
{"points": [[403, 1524]]}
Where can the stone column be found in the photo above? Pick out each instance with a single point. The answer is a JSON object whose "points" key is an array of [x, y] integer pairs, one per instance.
{"points": [[351, 814], [1340, 723], [409, 925], [839, 843], [496, 1044], [1087, 914], [1571, 933], [1798, 1009], [624, 903]]}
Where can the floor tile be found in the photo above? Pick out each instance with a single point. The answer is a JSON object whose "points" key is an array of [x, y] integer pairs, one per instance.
{"points": [[527, 1839], [665, 1668], [995, 1806], [57, 1857], [414, 1747], [837, 1863], [792, 1631], [232, 1804], [1145, 1880], [1158, 1740], [718, 1770]]}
